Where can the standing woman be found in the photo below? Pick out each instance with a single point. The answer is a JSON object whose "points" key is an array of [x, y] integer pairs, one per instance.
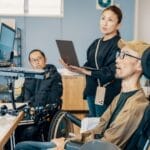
{"points": [[101, 85]]}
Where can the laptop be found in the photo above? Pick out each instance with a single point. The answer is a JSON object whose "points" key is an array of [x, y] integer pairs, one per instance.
{"points": [[68, 53], [7, 38]]}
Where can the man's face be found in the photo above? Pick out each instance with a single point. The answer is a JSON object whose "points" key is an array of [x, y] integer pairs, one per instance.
{"points": [[127, 63], [37, 60]]}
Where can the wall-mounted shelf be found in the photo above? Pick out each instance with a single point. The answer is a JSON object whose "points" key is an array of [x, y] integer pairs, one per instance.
{"points": [[18, 48]]}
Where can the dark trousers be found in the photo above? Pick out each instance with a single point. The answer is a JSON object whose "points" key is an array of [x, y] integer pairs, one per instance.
{"points": [[35, 132], [95, 110]]}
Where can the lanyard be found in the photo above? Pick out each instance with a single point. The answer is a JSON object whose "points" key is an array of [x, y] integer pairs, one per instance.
{"points": [[96, 63]]}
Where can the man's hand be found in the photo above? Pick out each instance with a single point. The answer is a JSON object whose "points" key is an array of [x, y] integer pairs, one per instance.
{"points": [[87, 136], [83, 137], [60, 143]]}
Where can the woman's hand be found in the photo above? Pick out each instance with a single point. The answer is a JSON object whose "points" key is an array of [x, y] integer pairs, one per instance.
{"points": [[80, 70], [65, 65], [75, 68]]}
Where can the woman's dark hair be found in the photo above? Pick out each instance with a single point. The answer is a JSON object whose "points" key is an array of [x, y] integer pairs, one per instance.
{"points": [[36, 50], [116, 10]]}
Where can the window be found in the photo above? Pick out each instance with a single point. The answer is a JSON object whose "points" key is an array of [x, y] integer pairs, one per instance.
{"points": [[11, 7], [44, 7], [31, 8]]}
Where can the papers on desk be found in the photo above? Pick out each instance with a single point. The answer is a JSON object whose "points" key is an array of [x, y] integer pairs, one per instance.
{"points": [[66, 72], [6, 122], [7, 117]]}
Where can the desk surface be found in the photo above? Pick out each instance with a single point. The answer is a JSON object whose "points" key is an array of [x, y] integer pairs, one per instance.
{"points": [[8, 124], [73, 87]]}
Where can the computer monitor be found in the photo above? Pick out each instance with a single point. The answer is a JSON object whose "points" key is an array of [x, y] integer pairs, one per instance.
{"points": [[7, 38]]}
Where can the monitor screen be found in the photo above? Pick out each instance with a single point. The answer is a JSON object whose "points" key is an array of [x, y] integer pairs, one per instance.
{"points": [[7, 38]]}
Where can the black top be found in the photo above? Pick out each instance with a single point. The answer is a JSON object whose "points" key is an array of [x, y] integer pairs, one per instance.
{"points": [[122, 100], [41, 92], [106, 57]]}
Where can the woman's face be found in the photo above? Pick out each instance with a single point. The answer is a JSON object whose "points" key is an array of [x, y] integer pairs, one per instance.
{"points": [[109, 22]]}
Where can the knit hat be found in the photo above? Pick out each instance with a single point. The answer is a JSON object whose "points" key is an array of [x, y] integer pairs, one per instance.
{"points": [[141, 48]]}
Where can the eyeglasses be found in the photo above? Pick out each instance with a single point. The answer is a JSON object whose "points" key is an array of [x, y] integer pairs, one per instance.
{"points": [[121, 55], [35, 60]]}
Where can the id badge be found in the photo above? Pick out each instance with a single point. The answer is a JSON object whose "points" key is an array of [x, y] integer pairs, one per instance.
{"points": [[100, 95]]}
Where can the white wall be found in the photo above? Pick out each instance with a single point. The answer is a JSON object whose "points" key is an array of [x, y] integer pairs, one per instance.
{"points": [[142, 26], [79, 24]]}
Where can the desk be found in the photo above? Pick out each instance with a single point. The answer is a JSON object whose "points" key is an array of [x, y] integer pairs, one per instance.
{"points": [[73, 87], [8, 124]]}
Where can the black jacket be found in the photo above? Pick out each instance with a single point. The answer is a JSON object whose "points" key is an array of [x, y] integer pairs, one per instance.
{"points": [[41, 92], [106, 73]]}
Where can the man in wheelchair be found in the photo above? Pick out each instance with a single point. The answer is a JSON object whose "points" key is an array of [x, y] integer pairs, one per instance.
{"points": [[123, 116], [39, 94]]}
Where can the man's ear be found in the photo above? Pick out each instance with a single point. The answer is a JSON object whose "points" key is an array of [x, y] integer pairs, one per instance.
{"points": [[139, 66]]}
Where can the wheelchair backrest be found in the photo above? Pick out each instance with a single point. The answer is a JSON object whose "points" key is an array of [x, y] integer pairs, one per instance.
{"points": [[142, 134]]}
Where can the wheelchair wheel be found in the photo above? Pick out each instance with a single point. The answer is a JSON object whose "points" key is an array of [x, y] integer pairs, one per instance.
{"points": [[60, 126]]}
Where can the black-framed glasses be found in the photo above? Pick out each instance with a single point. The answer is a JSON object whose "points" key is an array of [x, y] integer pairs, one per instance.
{"points": [[121, 55], [35, 59]]}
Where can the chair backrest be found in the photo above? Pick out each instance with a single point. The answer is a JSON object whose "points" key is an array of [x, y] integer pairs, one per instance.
{"points": [[142, 134], [99, 145]]}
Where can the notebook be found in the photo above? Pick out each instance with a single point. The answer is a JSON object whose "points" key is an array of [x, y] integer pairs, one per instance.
{"points": [[68, 53], [7, 38]]}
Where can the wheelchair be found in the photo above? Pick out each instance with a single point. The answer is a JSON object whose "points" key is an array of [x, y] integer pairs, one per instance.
{"points": [[36, 122], [62, 125]]}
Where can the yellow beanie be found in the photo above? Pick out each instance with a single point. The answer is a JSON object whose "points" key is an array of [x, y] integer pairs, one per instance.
{"points": [[138, 46], [143, 49]]}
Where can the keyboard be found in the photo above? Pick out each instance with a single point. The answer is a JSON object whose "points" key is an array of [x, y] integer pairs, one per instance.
{"points": [[23, 72]]}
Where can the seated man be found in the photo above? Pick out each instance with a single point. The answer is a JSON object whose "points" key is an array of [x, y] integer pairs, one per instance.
{"points": [[123, 116], [39, 92]]}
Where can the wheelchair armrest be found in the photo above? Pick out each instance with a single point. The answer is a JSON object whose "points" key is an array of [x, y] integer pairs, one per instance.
{"points": [[71, 145], [99, 145], [94, 144]]}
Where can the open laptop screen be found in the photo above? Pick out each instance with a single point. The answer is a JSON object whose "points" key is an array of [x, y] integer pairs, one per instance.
{"points": [[7, 38], [67, 52]]}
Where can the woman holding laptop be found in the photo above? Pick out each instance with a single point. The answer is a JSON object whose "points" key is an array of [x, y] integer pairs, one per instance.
{"points": [[101, 85]]}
